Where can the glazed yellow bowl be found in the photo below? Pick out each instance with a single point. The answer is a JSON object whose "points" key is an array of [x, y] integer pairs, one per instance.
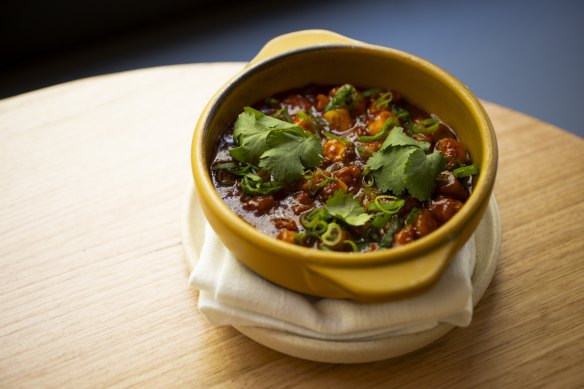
{"points": [[322, 57]]}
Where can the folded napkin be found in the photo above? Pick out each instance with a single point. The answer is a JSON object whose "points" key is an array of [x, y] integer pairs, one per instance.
{"points": [[231, 294]]}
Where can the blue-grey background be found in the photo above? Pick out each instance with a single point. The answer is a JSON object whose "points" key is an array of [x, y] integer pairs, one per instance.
{"points": [[526, 55]]}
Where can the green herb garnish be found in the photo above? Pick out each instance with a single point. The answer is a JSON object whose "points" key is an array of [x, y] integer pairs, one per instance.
{"points": [[333, 235], [304, 116], [397, 137], [310, 176], [272, 101], [330, 135], [255, 187], [283, 113], [388, 237], [231, 167], [384, 100], [367, 178], [364, 152], [400, 113], [283, 149], [412, 216], [402, 164], [351, 244], [426, 126], [465, 171], [380, 220], [346, 96], [390, 207], [251, 182], [381, 134], [320, 227], [289, 153], [371, 92], [346, 208], [311, 219]]}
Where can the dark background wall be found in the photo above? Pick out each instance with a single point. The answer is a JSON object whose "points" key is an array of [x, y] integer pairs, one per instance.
{"points": [[526, 55]]}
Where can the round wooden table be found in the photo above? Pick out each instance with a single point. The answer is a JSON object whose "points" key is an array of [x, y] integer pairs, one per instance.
{"points": [[93, 282]]}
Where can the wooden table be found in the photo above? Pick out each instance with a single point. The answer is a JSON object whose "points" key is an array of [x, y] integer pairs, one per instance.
{"points": [[93, 283]]}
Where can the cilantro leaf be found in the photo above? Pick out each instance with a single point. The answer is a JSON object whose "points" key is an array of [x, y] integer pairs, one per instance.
{"points": [[389, 168], [251, 135], [397, 137], [251, 131], [421, 172], [311, 152], [269, 121], [403, 164], [346, 208], [289, 152], [251, 151]]}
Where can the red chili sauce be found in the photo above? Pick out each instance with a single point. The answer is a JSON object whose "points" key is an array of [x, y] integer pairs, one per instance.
{"points": [[342, 169]]}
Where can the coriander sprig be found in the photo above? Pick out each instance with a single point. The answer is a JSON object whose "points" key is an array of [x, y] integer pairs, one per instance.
{"points": [[281, 148], [402, 164]]}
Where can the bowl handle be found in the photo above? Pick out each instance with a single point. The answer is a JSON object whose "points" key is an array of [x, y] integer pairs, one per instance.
{"points": [[387, 281], [300, 39]]}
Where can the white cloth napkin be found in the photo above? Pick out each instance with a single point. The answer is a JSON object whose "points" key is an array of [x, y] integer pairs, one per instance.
{"points": [[231, 294]]}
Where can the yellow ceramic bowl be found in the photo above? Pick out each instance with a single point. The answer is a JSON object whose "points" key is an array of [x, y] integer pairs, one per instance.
{"points": [[321, 57]]}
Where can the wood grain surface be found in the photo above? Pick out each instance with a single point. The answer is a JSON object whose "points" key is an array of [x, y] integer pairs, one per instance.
{"points": [[93, 282]]}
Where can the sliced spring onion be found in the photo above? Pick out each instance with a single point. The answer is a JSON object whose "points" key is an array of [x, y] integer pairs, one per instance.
{"points": [[346, 96], [325, 180], [311, 119], [364, 151], [368, 179], [318, 121], [381, 134], [304, 116], [426, 126], [330, 135], [400, 113], [390, 207], [225, 178], [311, 219], [387, 240], [321, 227], [412, 216], [272, 101], [352, 244], [239, 169], [224, 166], [384, 100], [283, 113], [465, 171], [244, 170], [322, 184], [255, 187], [332, 236], [371, 92], [304, 238], [380, 220], [299, 238]]}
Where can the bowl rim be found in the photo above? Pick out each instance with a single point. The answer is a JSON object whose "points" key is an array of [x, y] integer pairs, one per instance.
{"points": [[446, 233]]}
